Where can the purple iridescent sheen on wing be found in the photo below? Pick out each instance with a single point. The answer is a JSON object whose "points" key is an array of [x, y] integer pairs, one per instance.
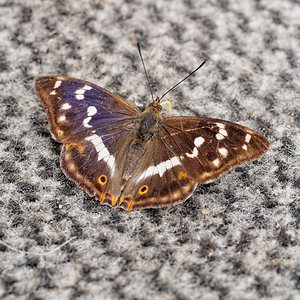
{"points": [[77, 109]]}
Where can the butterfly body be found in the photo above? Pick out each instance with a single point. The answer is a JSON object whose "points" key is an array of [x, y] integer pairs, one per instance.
{"points": [[135, 159], [150, 122], [147, 126]]}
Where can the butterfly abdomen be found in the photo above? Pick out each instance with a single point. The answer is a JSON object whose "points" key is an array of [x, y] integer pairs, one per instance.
{"points": [[135, 153]]}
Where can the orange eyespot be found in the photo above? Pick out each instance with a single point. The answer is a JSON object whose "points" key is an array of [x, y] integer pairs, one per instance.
{"points": [[182, 175], [102, 179], [143, 189]]}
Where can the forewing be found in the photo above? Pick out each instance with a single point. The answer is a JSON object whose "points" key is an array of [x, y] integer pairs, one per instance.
{"points": [[160, 179], [76, 108], [210, 147]]}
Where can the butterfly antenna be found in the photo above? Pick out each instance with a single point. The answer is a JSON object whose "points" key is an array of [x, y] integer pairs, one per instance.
{"points": [[140, 52], [193, 72]]}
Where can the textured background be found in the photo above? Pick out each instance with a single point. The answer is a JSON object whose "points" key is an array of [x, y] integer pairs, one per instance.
{"points": [[236, 238]]}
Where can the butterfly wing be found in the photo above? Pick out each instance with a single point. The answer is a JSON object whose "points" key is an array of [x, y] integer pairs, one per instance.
{"points": [[96, 127], [75, 108], [189, 150]]}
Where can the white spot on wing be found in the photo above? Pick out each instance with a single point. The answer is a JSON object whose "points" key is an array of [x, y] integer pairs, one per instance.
{"points": [[247, 138], [91, 110], [245, 147], [66, 106], [199, 141], [223, 151], [80, 92], [216, 162], [219, 136], [62, 118], [87, 87], [53, 93], [220, 125], [223, 132], [79, 97], [194, 154], [86, 122], [57, 84]]}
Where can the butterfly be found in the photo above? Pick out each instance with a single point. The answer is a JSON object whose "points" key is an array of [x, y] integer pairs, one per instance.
{"points": [[134, 159]]}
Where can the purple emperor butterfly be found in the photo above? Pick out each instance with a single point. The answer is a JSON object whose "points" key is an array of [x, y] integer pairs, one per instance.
{"points": [[137, 159]]}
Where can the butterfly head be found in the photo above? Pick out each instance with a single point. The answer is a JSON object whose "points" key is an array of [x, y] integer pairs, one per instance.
{"points": [[156, 105]]}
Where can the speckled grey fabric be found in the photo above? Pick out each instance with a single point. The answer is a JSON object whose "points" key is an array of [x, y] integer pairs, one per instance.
{"points": [[236, 238]]}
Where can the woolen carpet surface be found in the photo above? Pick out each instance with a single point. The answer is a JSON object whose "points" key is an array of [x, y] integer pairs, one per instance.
{"points": [[235, 238]]}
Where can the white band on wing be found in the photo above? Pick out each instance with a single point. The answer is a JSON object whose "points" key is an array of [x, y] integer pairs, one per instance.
{"points": [[159, 169], [103, 153]]}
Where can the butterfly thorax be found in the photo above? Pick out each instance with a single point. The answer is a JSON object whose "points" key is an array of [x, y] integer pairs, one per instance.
{"points": [[149, 122]]}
